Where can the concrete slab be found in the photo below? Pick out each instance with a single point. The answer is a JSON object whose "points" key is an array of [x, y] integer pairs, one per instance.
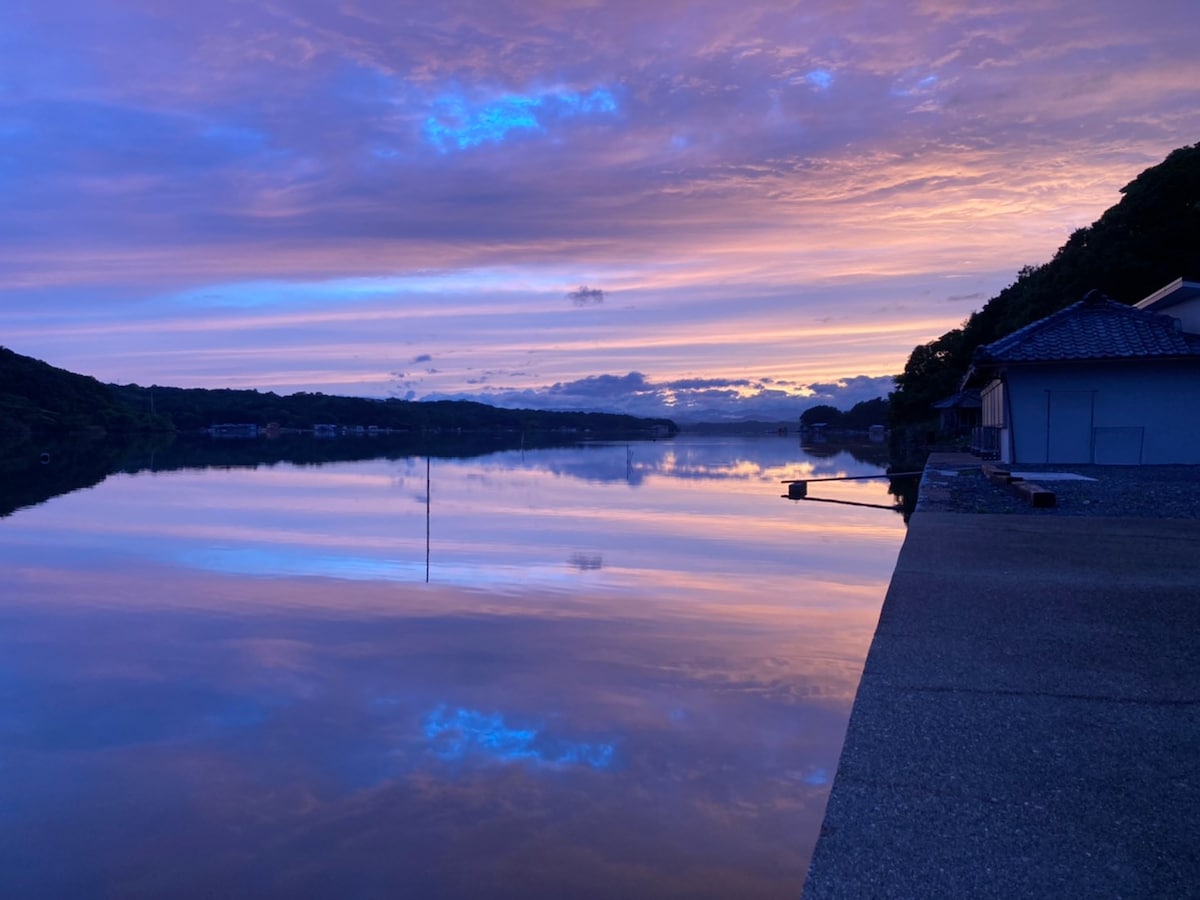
{"points": [[1028, 722], [1052, 476]]}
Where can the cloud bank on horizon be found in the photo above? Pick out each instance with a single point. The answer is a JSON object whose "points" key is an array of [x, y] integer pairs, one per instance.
{"points": [[701, 209]]}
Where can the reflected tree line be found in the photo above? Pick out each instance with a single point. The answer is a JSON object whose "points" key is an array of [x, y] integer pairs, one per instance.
{"points": [[34, 471]]}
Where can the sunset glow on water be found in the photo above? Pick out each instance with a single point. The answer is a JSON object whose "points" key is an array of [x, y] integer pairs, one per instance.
{"points": [[628, 674]]}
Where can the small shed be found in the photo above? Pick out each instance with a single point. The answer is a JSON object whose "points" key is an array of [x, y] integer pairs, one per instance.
{"points": [[1096, 382], [960, 412]]}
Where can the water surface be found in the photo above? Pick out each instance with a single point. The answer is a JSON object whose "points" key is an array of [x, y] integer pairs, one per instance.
{"points": [[601, 671]]}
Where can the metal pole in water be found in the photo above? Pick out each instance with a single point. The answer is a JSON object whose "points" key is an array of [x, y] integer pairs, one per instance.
{"points": [[427, 506]]}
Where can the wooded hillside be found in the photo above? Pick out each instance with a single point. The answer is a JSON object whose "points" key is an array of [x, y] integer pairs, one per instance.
{"points": [[37, 398], [1150, 238]]}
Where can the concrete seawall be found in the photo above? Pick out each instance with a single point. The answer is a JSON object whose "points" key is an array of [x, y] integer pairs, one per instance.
{"points": [[1028, 721]]}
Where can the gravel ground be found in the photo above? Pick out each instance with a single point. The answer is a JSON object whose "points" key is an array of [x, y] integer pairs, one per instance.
{"points": [[1160, 492]]}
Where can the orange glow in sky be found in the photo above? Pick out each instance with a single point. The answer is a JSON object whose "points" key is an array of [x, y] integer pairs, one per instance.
{"points": [[558, 204]]}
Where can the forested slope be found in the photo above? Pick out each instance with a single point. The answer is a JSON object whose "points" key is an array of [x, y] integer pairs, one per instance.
{"points": [[1150, 238], [37, 398]]}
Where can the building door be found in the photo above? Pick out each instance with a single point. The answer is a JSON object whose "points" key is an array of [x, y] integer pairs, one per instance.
{"points": [[1069, 426]]}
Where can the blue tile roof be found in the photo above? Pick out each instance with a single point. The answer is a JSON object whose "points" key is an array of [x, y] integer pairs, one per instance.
{"points": [[1096, 327], [964, 399]]}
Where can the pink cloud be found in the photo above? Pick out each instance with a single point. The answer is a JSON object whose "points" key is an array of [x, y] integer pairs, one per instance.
{"points": [[144, 156]]}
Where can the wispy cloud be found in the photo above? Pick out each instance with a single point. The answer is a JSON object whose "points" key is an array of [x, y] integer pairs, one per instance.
{"points": [[789, 190]]}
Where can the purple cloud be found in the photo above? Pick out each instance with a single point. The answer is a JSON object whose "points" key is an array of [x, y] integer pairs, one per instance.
{"points": [[586, 296], [313, 195], [685, 400]]}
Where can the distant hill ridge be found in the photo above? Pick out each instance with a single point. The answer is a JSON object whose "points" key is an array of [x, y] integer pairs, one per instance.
{"points": [[38, 398], [1150, 238]]}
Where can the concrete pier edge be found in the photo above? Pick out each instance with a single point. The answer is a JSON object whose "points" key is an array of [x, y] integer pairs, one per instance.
{"points": [[1028, 720]]}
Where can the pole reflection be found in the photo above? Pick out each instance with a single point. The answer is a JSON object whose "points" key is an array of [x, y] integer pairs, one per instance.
{"points": [[243, 682]]}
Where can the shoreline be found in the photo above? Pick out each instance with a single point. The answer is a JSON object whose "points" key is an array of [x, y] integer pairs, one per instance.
{"points": [[1028, 719]]}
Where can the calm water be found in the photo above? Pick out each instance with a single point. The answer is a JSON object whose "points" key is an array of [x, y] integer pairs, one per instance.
{"points": [[606, 671]]}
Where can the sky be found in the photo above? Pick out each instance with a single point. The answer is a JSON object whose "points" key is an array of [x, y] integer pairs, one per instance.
{"points": [[706, 210]]}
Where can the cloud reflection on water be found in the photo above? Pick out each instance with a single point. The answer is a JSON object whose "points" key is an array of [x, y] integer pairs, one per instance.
{"points": [[670, 719], [459, 733]]}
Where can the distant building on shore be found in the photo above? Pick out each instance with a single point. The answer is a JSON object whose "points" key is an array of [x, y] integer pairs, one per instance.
{"points": [[233, 430]]}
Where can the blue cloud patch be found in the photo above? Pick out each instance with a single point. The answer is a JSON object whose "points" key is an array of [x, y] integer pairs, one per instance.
{"points": [[458, 733], [458, 123], [821, 79]]}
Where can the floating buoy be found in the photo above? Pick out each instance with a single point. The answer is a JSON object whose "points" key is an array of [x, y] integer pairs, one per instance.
{"points": [[45, 458]]}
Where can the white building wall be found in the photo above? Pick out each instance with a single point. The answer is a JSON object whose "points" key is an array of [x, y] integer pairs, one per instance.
{"points": [[1134, 412], [1188, 315], [1179, 300]]}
